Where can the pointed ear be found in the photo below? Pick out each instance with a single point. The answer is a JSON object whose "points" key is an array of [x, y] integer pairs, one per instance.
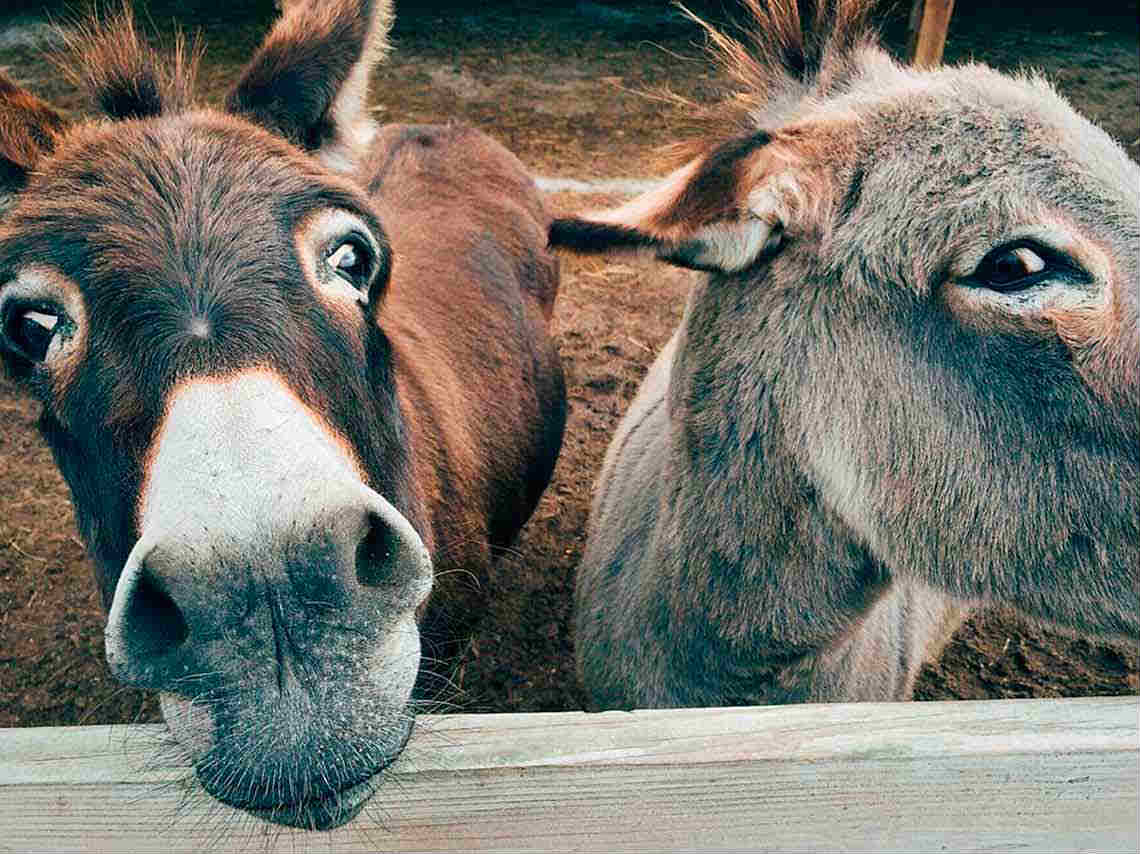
{"points": [[720, 212], [308, 81], [29, 129]]}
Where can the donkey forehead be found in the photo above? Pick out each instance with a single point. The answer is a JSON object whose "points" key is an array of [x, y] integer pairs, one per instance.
{"points": [[183, 213], [1009, 127], [178, 235], [128, 191], [971, 154]]}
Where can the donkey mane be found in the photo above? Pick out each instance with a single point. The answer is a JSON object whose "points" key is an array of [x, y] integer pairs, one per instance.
{"points": [[125, 77], [787, 51], [807, 43]]}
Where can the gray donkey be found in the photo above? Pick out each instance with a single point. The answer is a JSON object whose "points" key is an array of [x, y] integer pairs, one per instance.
{"points": [[908, 386]]}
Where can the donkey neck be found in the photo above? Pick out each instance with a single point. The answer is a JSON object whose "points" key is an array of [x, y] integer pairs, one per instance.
{"points": [[782, 576]]}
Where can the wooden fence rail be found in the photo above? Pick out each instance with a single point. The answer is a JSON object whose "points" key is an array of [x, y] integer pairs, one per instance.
{"points": [[929, 23], [1032, 775]]}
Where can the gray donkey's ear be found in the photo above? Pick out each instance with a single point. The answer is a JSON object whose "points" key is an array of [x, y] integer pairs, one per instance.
{"points": [[308, 82], [29, 129], [720, 212]]}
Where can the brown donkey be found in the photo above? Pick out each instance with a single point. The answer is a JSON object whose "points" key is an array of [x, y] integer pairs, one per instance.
{"points": [[297, 375], [909, 383]]}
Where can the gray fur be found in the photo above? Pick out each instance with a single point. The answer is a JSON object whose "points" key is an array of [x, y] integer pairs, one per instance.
{"points": [[847, 446]]}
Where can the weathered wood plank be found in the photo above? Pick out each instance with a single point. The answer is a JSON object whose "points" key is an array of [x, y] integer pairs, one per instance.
{"points": [[929, 23], [1057, 775]]}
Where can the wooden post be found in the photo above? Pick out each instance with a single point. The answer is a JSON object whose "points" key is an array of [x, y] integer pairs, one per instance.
{"points": [[929, 21], [1023, 775]]}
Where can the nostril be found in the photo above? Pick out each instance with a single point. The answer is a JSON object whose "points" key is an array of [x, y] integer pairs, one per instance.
{"points": [[155, 625], [377, 553]]}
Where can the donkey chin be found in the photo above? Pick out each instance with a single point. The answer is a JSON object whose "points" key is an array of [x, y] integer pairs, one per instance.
{"points": [[293, 755], [290, 711]]}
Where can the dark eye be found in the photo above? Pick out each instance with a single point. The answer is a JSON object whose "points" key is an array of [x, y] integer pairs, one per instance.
{"points": [[352, 260], [1010, 268], [28, 331]]}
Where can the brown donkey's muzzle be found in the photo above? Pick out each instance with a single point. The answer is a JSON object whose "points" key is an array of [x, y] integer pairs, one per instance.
{"points": [[259, 540], [188, 601], [272, 598]]}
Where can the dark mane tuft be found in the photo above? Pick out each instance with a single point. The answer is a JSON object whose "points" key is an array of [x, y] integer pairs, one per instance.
{"points": [[124, 75], [793, 43], [786, 51]]}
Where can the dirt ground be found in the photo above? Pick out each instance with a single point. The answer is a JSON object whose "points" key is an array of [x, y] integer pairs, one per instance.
{"points": [[565, 89]]}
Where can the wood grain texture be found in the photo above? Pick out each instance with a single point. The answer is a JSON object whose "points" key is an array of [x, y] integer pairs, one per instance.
{"points": [[1055, 775], [929, 23]]}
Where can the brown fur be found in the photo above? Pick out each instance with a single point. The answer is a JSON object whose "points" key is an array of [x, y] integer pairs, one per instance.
{"points": [[124, 75], [28, 131], [438, 343], [180, 252]]}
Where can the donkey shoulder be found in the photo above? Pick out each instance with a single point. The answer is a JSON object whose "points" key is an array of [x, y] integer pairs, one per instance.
{"points": [[619, 564], [454, 186]]}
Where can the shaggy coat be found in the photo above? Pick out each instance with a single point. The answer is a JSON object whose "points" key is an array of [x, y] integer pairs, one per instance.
{"points": [[297, 374], [908, 385]]}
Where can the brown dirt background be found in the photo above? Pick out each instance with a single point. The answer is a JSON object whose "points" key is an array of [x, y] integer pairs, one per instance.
{"points": [[562, 86]]}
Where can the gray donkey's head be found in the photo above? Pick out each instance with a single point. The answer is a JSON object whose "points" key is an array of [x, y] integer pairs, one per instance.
{"points": [[923, 297]]}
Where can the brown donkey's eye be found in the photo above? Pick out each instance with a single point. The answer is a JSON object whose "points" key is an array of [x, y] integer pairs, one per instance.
{"points": [[1010, 269], [352, 261], [28, 332]]}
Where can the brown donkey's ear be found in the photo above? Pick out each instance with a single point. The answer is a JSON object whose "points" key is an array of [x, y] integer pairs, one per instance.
{"points": [[28, 132], [308, 81], [720, 212]]}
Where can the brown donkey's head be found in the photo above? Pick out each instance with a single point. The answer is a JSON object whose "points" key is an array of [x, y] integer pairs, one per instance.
{"points": [[191, 294], [923, 296]]}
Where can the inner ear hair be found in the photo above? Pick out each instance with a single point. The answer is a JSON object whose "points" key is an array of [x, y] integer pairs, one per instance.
{"points": [[723, 211], [727, 246]]}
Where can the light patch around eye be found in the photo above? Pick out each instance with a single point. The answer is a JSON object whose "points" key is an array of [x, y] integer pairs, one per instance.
{"points": [[324, 242], [978, 305], [345, 289], [1058, 236], [1064, 292], [1035, 300], [45, 288]]}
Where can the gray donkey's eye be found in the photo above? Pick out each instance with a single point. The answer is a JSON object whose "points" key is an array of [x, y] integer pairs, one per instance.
{"points": [[1014, 268]]}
